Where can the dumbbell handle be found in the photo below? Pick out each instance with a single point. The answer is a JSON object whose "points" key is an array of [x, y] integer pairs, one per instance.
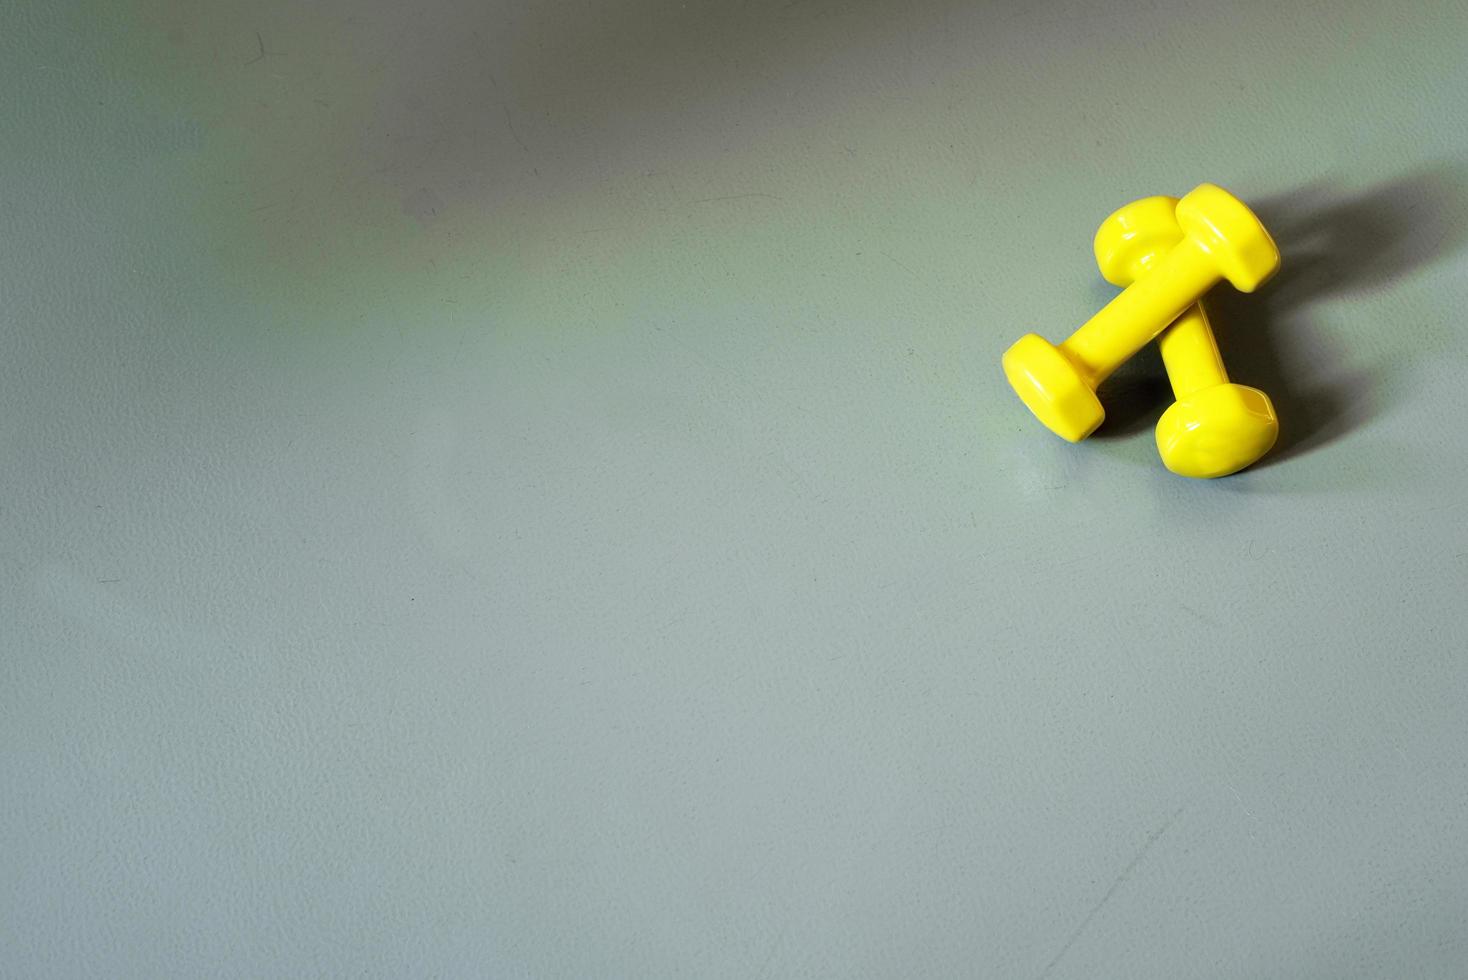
{"points": [[1142, 310], [1190, 353]]}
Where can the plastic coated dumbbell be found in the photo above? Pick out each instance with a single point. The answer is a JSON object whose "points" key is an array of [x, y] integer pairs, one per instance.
{"points": [[1215, 427], [1222, 239]]}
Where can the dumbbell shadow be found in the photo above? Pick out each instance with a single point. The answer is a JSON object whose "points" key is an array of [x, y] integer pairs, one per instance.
{"points": [[1333, 245], [1135, 396]]}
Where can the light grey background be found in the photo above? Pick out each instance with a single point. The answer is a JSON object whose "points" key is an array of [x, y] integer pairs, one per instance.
{"points": [[525, 489]]}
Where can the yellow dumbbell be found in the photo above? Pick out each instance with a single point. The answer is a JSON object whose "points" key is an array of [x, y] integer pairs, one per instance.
{"points": [[1221, 240], [1215, 427]]}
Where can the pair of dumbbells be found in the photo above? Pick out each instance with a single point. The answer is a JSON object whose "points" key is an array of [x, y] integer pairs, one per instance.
{"points": [[1167, 253]]}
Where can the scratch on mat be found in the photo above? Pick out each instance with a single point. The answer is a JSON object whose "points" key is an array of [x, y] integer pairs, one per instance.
{"points": [[511, 124], [1126, 873], [735, 197]]}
